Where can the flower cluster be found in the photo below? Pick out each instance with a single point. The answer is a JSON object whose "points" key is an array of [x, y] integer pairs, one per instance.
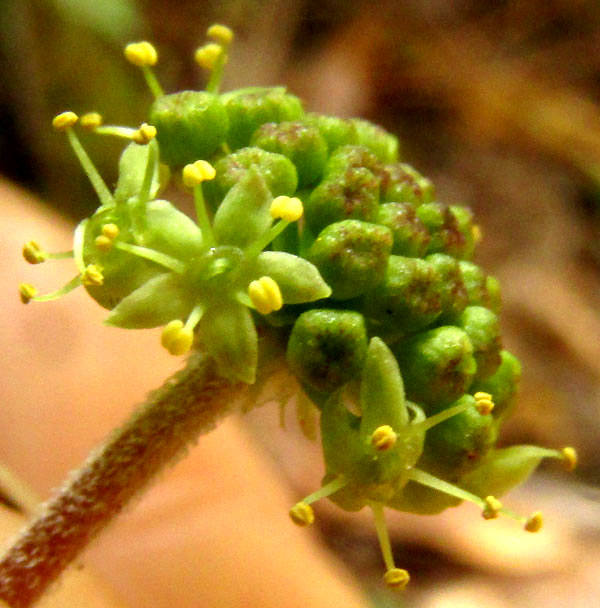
{"points": [[310, 227]]}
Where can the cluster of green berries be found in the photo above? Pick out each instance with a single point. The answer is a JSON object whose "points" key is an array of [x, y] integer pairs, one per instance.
{"points": [[310, 227]]}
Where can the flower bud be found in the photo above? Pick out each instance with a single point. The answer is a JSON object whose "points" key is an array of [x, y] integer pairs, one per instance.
{"points": [[502, 385], [411, 238], [452, 288], [351, 256], [301, 143], [437, 366], [464, 219], [482, 290], [446, 236], [351, 195], [190, 125], [250, 108], [335, 131], [403, 184], [384, 145], [456, 446], [483, 330], [326, 348], [409, 298], [353, 157], [278, 172]]}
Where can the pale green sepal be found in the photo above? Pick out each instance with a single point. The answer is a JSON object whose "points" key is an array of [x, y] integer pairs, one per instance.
{"points": [[503, 469], [132, 169], [158, 301], [382, 397], [228, 334], [298, 279], [78, 244], [170, 231], [243, 216]]}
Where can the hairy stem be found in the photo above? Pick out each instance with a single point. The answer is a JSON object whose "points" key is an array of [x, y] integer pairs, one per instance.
{"points": [[187, 405]]}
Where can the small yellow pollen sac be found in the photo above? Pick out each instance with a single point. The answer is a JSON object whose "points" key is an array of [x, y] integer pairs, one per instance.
{"points": [[302, 514], [27, 292], [287, 208], [144, 135], [265, 295], [110, 231], [396, 578], [476, 232], [383, 438], [64, 121], [92, 275], [198, 172], [176, 338], [220, 33], [91, 120], [483, 403], [570, 458], [534, 522], [492, 507], [141, 54], [103, 243], [33, 253], [206, 56]]}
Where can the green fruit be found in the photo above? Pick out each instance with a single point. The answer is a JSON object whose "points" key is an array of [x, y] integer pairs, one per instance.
{"points": [[452, 288], [483, 329], [384, 145], [411, 237]]}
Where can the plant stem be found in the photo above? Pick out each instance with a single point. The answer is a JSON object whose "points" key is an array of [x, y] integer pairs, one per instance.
{"points": [[158, 431]]}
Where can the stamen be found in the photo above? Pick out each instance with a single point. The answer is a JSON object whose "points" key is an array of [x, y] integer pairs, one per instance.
{"points": [[302, 514], [265, 295], [193, 175], [534, 522], [397, 578], [110, 231], [570, 458], [144, 135], [492, 507], [91, 121], [176, 338], [383, 438], [327, 490], [33, 253], [154, 256], [286, 208], [436, 419], [27, 292], [144, 55], [476, 232], [64, 122], [103, 243], [207, 56], [383, 536], [116, 131], [92, 276], [483, 403], [221, 33]]}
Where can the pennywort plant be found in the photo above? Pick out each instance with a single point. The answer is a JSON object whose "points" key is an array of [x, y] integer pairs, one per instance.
{"points": [[316, 250]]}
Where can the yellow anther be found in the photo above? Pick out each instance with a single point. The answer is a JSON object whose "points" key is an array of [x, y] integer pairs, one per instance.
{"points": [[207, 56], [176, 338], [265, 295], [476, 232], [396, 578], [103, 243], [287, 208], [141, 54], [570, 458], [383, 438], [198, 172], [91, 120], [64, 121], [110, 231], [534, 522], [144, 135], [92, 275], [221, 33], [483, 403], [27, 292], [33, 253], [302, 514], [492, 507]]}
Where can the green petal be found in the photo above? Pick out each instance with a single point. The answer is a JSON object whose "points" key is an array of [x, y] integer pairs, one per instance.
{"points": [[244, 215], [298, 279], [158, 301], [228, 334], [132, 169], [382, 399]]}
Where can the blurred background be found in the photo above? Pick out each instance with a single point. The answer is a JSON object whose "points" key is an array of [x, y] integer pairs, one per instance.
{"points": [[498, 102]]}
